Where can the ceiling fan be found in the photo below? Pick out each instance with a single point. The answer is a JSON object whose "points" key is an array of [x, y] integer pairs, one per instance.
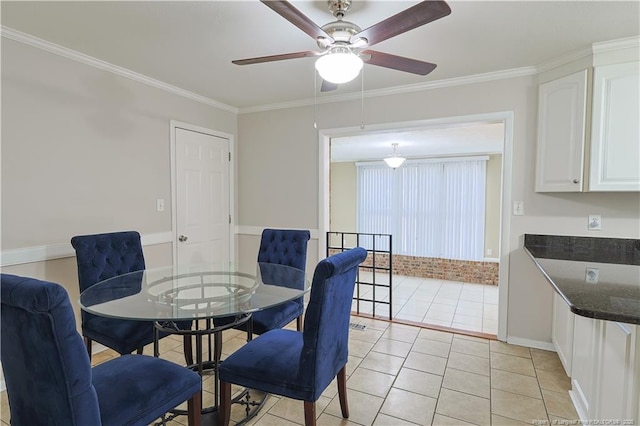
{"points": [[344, 47]]}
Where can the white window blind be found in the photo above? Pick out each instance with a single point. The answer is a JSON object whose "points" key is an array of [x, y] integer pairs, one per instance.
{"points": [[431, 208]]}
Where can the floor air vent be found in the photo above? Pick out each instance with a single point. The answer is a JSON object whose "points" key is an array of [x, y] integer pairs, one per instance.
{"points": [[354, 326]]}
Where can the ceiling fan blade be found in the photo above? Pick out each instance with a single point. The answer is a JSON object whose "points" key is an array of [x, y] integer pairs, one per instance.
{"points": [[399, 63], [273, 58], [297, 18], [327, 86], [418, 15]]}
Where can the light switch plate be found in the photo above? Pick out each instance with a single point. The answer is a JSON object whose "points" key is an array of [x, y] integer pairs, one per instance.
{"points": [[518, 208], [160, 204]]}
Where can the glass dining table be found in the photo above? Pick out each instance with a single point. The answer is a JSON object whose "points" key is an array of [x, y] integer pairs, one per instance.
{"points": [[202, 293]]}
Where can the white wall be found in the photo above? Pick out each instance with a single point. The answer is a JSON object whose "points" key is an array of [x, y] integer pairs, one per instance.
{"points": [[85, 151], [266, 136]]}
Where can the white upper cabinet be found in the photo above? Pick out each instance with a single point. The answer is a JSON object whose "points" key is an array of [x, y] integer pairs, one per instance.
{"points": [[590, 141], [562, 115], [615, 136]]}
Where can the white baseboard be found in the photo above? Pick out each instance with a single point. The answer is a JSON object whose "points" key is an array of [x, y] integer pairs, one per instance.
{"points": [[536, 344]]}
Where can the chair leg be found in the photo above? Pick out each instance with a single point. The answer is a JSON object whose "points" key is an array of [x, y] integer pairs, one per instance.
{"points": [[342, 391], [194, 410], [299, 323], [188, 350], [139, 351], [224, 409], [87, 343], [309, 413]]}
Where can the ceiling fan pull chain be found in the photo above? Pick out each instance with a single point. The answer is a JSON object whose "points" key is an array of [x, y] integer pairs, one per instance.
{"points": [[315, 97], [362, 100]]}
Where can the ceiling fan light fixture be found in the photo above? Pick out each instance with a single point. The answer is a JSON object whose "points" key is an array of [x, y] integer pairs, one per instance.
{"points": [[394, 161], [339, 66]]}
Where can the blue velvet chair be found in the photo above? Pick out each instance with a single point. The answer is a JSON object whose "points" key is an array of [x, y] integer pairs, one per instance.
{"points": [[103, 256], [300, 365], [283, 247], [49, 376]]}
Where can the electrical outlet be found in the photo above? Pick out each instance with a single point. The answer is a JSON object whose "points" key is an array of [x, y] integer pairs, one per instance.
{"points": [[592, 275], [518, 208], [595, 222]]}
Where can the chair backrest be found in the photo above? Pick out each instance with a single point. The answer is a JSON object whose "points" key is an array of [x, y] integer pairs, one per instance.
{"points": [[45, 363], [103, 256], [326, 321], [284, 247]]}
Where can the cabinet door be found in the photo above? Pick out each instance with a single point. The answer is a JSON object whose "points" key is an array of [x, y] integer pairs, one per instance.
{"points": [[584, 365], [562, 333], [618, 385], [561, 134], [615, 137]]}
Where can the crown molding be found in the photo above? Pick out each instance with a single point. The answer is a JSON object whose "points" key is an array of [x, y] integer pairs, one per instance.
{"points": [[410, 88], [47, 46], [621, 43]]}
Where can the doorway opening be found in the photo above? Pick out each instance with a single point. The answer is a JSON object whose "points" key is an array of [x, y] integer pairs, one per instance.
{"points": [[464, 292]]}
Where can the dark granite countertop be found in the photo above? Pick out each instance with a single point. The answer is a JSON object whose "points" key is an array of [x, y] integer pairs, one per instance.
{"points": [[597, 277]]}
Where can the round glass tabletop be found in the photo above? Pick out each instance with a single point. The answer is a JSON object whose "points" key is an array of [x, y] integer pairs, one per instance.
{"points": [[193, 292]]}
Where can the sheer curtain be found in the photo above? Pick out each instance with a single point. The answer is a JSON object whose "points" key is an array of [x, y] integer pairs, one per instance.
{"points": [[433, 208]]}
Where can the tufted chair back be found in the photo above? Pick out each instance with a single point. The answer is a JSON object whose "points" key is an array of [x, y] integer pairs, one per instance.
{"points": [[103, 256], [284, 247]]}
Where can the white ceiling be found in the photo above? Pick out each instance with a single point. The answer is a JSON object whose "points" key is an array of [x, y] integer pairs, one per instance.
{"points": [[190, 45]]}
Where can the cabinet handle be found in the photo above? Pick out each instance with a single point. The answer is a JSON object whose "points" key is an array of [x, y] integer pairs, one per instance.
{"points": [[576, 181]]}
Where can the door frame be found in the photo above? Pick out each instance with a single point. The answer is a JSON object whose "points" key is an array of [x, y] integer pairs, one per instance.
{"points": [[173, 125], [506, 117]]}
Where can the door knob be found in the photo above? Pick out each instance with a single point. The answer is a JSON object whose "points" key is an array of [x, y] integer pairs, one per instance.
{"points": [[182, 238]]}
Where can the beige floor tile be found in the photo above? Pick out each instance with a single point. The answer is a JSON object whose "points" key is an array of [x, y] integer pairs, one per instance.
{"points": [[470, 363], [464, 381], [425, 362], [506, 348], [293, 410], [271, 420], [419, 382], [359, 348], [329, 420], [382, 362], [392, 347], [431, 347], [363, 407], [504, 421], [5, 414], [559, 404], [470, 347], [514, 364], [473, 338], [437, 335], [440, 420], [403, 333], [546, 360], [515, 383], [553, 381], [384, 420], [409, 406], [371, 382], [367, 335], [519, 407], [469, 408]]}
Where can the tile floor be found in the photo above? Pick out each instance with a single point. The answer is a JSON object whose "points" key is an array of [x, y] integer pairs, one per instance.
{"points": [[405, 375], [452, 304]]}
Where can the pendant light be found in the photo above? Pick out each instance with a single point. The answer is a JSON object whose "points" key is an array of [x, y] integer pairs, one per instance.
{"points": [[395, 160]]}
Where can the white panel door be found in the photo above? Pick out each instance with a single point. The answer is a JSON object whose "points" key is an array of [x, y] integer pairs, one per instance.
{"points": [[202, 196]]}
